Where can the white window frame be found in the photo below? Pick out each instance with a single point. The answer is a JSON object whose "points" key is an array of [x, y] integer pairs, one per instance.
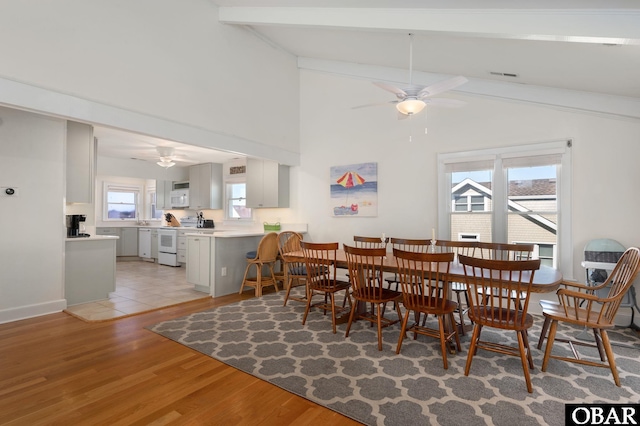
{"points": [[499, 226], [117, 187], [227, 195]]}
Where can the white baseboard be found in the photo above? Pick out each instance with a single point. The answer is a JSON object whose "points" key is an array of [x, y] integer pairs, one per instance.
{"points": [[30, 311]]}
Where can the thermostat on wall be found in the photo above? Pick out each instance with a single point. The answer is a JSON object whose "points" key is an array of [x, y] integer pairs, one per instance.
{"points": [[8, 191]]}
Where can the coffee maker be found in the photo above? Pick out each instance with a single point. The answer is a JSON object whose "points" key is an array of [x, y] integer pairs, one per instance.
{"points": [[73, 225]]}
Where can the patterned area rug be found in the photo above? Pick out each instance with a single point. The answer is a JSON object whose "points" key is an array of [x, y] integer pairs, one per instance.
{"points": [[350, 376]]}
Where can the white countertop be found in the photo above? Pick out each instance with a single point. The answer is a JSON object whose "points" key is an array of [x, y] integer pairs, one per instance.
{"points": [[94, 238]]}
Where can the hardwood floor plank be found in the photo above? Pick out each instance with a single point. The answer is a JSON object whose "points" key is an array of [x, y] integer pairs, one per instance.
{"points": [[58, 369]]}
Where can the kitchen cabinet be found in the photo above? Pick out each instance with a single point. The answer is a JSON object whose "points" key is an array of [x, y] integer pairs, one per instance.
{"points": [[90, 269], [267, 184], [144, 243], [80, 163], [198, 260], [128, 241], [181, 245], [205, 186], [154, 243], [163, 194]]}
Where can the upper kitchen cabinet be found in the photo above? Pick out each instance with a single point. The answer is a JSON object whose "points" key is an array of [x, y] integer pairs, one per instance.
{"points": [[81, 162], [163, 194], [205, 186], [267, 184]]}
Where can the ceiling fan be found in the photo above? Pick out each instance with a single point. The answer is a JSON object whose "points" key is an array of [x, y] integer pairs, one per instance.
{"points": [[412, 99], [166, 156]]}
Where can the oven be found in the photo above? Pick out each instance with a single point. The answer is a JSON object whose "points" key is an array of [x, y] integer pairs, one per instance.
{"points": [[168, 247]]}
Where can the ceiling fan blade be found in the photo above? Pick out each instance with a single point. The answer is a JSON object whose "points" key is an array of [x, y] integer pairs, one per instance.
{"points": [[444, 102], [401, 94], [442, 86], [371, 105]]}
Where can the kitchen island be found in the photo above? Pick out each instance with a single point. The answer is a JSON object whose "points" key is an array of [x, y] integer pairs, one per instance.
{"points": [[216, 262], [90, 268]]}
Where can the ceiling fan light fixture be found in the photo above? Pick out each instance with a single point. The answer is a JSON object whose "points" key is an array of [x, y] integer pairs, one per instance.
{"points": [[410, 106], [166, 163]]}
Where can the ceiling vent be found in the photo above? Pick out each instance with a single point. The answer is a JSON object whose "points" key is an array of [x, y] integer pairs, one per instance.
{"points": [[503, 74]]}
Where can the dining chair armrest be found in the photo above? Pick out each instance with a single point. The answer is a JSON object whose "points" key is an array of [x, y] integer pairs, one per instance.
{"points": [[577, 285], [573, 302]]}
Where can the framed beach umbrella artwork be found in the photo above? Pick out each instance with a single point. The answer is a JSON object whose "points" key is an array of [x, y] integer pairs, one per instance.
{"points": [[354, 190]]}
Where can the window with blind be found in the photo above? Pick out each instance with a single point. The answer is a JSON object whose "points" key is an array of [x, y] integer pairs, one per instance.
{"points": [[513, 194]]}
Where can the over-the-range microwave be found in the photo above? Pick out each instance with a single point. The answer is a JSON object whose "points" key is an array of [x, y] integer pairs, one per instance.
{"points": [[180, 198]]}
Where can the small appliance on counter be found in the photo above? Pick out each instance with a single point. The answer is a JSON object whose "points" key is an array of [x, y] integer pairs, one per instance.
{"points": [[204, 223], [171, 219], [73, 225], [189, 221]]}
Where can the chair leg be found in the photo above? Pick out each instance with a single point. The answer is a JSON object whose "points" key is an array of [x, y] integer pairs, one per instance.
{"points": [[598, 338], [244, 279], [306, 310], [472, 348], [550, 339], [525, 361], [333, 311], [288, 282], [352, 315], [443, 342], [455, 333], [460, 312], [525, 338], [612, 361], [543, 333], [403, 331]]}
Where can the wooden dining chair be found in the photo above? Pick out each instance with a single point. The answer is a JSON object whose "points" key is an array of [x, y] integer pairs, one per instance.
{"points": [[365, 272], [295, 273], [405, 244], [465, 248], [319, 259], [579, 304], [265, 256], [504, 251], [510, 283], [369, 242], [424, 280]]}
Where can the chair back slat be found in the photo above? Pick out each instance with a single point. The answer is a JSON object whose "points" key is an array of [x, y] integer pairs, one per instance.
{"points": [[509, 284], [369, 242], [365, 271], [414, 245], [320, 263], [423, 277]]}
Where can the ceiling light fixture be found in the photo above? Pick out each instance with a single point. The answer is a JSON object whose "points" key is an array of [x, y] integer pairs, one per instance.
{"points": [[165, 162], [410, 106]]}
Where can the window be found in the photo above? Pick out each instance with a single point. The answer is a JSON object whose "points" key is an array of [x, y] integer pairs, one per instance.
{"points": [[236, 200], [121, 202], [154, 213], [510, 195]]}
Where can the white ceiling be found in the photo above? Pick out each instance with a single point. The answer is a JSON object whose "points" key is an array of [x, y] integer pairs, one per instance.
{"points": [[587, 46]]}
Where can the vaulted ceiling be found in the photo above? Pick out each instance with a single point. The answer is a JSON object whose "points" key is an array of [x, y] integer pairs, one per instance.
{"points": [[581, 55]]}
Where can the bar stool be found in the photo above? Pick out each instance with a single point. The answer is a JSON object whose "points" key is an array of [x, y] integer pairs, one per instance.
{"points": [[266, 255]]}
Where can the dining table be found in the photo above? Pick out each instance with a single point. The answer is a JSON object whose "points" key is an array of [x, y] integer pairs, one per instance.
{"points": [[545, 280]]}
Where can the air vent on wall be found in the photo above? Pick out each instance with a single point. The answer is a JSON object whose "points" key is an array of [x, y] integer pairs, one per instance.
{"points": [[503, 74], [237, 170]]}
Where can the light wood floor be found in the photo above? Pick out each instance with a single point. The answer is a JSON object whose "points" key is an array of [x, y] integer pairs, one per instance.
{"points": [[57, 369]]}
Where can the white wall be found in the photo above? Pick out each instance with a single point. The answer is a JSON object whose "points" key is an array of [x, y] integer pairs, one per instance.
{"points": [[605, 160], [32, 229], [170, 60]]}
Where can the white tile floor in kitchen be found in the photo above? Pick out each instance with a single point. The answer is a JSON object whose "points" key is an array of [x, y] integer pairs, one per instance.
{"points": [[140, 286]]}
